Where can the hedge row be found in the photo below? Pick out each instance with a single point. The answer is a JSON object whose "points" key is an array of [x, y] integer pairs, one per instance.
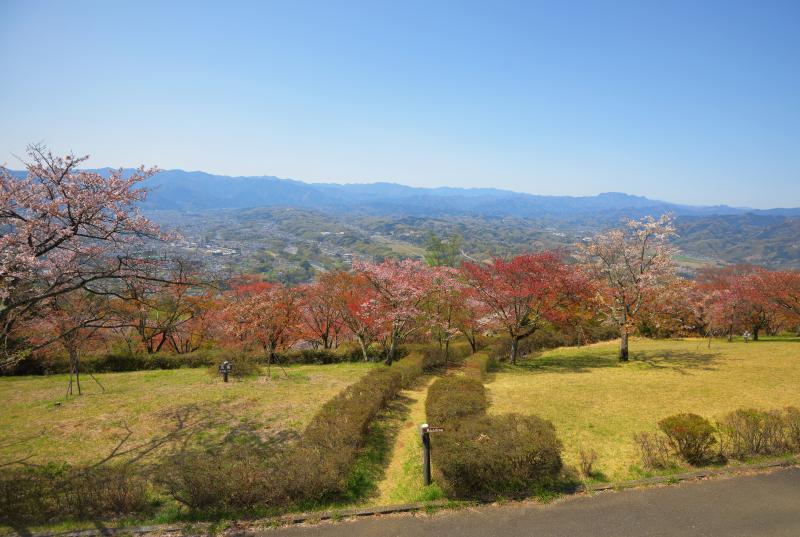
{"points": [[481, 456], [125, 360], [478, 365], [58, 492]]}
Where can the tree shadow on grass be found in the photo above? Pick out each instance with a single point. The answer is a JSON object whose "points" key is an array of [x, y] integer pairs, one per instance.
{"points": [[680, 361], [566, 363]]}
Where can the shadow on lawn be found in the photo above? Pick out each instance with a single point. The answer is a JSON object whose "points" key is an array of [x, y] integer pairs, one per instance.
{"points": [[678, 360], [574, 363]]}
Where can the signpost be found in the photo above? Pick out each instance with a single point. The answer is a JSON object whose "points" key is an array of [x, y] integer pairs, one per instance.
{"points": [[225, 369], [424, 432]]}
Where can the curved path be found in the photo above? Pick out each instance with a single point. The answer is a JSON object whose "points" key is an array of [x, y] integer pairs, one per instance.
{"points": [[762, 505]]}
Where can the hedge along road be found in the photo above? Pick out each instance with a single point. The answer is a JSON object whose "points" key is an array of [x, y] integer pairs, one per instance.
{"points": [[763, 505]]}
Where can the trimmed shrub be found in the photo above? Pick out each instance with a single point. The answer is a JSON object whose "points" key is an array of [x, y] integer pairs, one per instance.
{"points": [[234, 477], [690, 436], [452, 399], [491, 456], [477, 365], [57, 492], [748, 432]]}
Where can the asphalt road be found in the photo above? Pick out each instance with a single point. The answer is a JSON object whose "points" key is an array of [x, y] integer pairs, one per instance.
{"points": [[762, 505]]}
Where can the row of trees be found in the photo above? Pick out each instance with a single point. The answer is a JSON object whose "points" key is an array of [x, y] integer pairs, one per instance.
{"points": [[75, 266]]}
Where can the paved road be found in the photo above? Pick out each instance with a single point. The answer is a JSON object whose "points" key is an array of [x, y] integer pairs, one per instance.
{"points": [[763, 505]]}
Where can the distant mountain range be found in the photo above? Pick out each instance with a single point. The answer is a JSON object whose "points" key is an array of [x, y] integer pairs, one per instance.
{"points": [[193, 191], [493, 221]]}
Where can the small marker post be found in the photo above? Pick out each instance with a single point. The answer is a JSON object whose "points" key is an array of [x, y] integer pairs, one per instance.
{"points": [[426, 453]]}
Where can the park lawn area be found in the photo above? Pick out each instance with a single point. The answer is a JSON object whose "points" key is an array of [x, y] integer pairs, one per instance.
{"points": [[40, 423], [597, 402]]}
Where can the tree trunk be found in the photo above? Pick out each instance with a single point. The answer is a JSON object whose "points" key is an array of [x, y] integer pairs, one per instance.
{"points": [[730, 333], [446, 352], [755, 333], [514, 349], [390, 354], [363, 348], [623, 345]]}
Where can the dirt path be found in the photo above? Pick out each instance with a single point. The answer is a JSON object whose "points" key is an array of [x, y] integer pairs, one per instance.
{"points": [[402, 481]]}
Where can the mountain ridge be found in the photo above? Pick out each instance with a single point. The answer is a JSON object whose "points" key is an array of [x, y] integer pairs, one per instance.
{"points": [[184, 190]]}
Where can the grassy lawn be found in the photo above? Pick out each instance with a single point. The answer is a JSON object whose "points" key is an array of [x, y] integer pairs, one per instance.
{"points": [[146, 406], [595, 401]]}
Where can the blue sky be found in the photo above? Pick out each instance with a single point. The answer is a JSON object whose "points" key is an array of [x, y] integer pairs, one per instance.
{"points": [[673, 100]]}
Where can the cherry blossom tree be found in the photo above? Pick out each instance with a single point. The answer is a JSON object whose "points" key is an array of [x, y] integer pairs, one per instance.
{"points": [[527, 292], [402, 288], [445, 304], [64, 229], [629, 264]]}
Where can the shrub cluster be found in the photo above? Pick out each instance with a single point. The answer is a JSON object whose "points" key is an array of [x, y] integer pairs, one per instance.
{"points": [[740, 434], [480, 456], [749, 432]]}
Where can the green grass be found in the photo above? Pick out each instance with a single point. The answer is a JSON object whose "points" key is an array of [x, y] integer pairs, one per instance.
{"points": [[142, 407], [402, 481], [598, 402]]}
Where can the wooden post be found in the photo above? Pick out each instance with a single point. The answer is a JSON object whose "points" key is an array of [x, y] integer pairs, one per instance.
{"points": [[426, 453]]}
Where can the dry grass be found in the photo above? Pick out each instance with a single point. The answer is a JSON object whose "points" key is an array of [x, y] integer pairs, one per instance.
{"points": [[38, 422], [597, 402]]}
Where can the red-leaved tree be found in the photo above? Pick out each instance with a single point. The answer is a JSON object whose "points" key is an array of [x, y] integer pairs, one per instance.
{"points": [[526, 292]]}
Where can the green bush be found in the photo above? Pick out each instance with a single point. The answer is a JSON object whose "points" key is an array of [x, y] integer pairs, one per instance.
{"points": [[452, 399], [690, 436], [489, 456]]}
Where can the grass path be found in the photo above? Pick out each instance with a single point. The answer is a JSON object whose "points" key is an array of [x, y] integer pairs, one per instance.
{"points": [[402, 481]]}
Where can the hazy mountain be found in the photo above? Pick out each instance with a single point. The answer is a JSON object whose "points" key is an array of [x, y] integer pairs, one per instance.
{"points": [[182, 190]]}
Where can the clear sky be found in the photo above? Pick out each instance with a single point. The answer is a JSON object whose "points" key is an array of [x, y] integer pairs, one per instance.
{"points": [[693, 102]]}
